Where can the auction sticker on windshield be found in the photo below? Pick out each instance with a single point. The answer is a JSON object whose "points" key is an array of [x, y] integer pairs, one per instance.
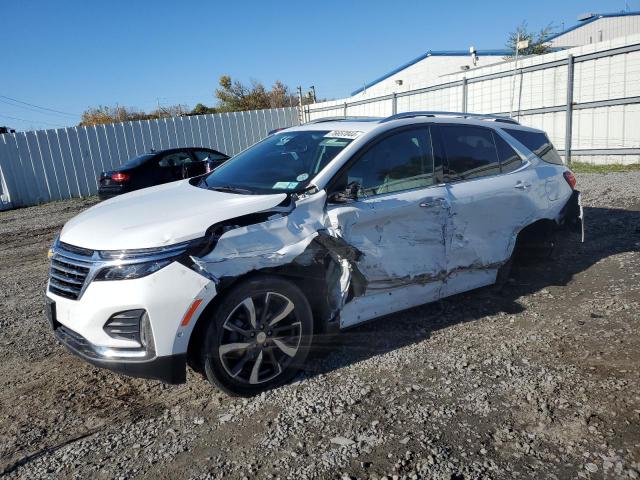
{"points": [[285, 185], [343, 134]]}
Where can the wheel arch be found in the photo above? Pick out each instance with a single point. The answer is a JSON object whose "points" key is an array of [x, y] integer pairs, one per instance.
{"points": [[309, 279]]}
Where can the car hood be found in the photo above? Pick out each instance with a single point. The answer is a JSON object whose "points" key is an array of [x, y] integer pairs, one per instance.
{"points": [[157, 216]]}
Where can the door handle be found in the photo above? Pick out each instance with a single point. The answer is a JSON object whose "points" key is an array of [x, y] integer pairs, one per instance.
{"points": [[521, 185], [433, 202]]}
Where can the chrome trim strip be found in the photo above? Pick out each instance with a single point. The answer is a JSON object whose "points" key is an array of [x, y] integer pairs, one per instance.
{"points": [[58, 265], [77, 342], [55, 284], [72, 280]]}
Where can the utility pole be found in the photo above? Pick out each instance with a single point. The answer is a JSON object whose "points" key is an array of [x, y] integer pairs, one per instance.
{"points": [[300, 107], [519, 44], [160, 111], [313, 93]]}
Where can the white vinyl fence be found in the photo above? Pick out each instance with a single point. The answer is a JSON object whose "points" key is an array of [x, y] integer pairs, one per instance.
{"points": [[586, 98], [45, 165]]}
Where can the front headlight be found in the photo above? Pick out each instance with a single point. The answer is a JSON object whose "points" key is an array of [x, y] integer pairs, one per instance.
{"points": [[138, 263], [131, 270]]}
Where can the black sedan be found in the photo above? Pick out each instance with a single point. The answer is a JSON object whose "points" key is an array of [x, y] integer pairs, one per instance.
{"points": [[158, 167]]}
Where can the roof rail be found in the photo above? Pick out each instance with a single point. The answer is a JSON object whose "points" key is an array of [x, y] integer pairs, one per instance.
{"points": [[479, 116], [338, 119]]}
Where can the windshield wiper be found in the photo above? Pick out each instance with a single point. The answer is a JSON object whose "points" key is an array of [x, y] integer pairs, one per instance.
{"points": [[231, 189]]}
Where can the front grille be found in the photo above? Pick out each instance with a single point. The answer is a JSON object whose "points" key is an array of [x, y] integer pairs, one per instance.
{"points": [[69, 269]]}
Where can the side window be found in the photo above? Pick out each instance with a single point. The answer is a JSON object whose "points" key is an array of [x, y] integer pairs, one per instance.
{"points": [[203, 155], [538, 143], [176, 159], [470, 152], [401, 161], [509, 159]]}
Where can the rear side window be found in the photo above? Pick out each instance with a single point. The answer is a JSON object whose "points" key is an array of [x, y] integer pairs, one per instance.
{"points": [[509, 159], [538, 143], [176, 159], [470, 152]]}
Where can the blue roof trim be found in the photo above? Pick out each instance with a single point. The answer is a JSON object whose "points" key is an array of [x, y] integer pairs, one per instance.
{"points": [[432, 53], [596, 16], [498, 52]]}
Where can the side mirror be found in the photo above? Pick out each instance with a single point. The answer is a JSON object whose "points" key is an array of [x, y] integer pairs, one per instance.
{"points": [[348, 194]]}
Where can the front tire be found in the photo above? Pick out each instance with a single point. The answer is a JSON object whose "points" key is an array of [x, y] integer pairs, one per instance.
{"points": [[258, 336]]}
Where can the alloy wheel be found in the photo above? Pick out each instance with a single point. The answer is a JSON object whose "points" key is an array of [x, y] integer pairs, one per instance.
{"points": [[260, 338]]}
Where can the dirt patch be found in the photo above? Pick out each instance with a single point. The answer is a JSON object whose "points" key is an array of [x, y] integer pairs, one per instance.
{"points": [[537, 380]]}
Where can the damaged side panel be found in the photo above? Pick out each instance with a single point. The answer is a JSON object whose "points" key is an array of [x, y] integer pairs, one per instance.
{"points": [[485, 217], [400, 236], [272, 243], [389, 252], [370, 250]]}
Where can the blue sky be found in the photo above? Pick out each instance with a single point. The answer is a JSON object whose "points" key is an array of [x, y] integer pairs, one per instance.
{"points": [[68, 55]]}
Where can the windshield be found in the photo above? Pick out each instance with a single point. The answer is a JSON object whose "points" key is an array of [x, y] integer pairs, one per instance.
{"points": [[136, 161], [285, 162]]}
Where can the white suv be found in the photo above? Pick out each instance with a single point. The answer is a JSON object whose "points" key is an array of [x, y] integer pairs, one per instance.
{"points": [[316, 228]]}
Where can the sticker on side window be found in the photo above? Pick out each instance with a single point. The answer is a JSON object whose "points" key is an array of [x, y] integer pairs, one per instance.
{"points": [[285, 185], [343, 134]]}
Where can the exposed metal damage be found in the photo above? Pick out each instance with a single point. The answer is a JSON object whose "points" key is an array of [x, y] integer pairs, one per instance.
{"points": [[298, 237]]}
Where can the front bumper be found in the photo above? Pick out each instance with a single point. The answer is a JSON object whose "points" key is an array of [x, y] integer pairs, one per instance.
{"points": [[107, 192], [165, 296], [169, 369]]}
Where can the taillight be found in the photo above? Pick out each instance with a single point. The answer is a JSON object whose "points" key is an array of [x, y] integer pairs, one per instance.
{"points": [[570, 178], [120, 177]]}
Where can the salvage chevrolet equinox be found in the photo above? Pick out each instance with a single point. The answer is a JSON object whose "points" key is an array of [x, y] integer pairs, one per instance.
{"points": [[316, 228]]}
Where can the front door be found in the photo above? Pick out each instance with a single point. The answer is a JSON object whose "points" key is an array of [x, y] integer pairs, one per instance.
{"points": [[396, 222]]}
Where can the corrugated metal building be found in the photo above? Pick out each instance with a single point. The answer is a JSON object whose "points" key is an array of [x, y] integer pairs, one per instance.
{"points": [[597, 27], [427, 68], [430, 67]]}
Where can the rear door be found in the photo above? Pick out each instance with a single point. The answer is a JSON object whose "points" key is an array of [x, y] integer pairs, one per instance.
{"points": [[492, 195], [396, 222]]}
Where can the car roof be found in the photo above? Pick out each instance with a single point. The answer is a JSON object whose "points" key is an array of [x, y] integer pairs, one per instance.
{"points": [[351, 125], [177, 149], [368, 130], [369, 124]]}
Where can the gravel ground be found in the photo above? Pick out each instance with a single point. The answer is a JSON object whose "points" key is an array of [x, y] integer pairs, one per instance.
{"points": [[537, 380]]}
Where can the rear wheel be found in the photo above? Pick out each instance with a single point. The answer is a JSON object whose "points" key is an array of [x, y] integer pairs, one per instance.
{"points": [[258, 337]]}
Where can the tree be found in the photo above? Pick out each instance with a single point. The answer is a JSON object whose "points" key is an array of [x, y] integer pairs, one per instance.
{"points": [[201, 109], [537, 41], [102, 114], [280, 96], [234, 96]]}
